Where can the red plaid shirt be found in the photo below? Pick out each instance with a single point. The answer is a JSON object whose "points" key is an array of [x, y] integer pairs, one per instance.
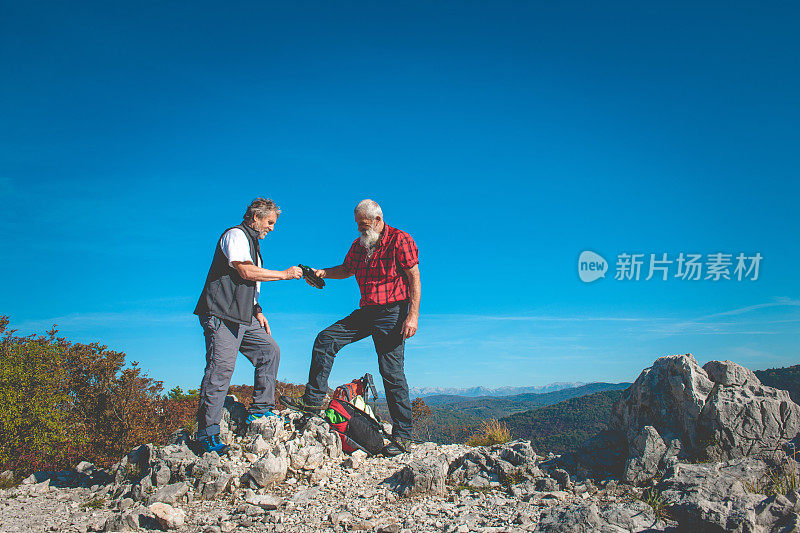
{"points": [[381, 278]]}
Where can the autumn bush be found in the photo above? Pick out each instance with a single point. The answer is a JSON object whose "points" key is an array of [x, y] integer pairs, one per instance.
{"points": [[244, 393], [63, 402]]}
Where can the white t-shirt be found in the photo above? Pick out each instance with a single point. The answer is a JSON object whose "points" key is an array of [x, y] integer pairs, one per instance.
{"points": [[236, 247]]}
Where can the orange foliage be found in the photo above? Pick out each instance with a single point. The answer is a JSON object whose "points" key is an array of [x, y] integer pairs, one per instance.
{"points": [[63, 402]]}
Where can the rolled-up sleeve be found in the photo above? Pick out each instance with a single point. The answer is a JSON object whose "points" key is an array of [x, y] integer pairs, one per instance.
{"points": [[406, 252]]}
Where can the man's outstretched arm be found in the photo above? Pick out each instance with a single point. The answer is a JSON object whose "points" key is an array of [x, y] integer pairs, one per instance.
{"points": [[414, 293], [247, 270], [337, 272]]}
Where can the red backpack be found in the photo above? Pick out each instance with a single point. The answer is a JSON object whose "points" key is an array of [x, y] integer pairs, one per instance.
{"points": [[353, 419]]}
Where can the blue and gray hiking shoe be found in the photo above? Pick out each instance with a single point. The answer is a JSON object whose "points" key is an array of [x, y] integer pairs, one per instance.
{"points": [[299, 404], [211, 443], [255, 416]]}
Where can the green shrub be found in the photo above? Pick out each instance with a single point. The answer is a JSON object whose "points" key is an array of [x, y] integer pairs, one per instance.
{"points": [[36, 426]]}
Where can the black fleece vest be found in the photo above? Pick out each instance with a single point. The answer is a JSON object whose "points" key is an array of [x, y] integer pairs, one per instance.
{"points": [[226, 294]]}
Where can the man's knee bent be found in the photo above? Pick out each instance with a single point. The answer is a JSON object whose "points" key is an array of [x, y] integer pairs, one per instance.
{"points": [[325, 343], [268, 355]]}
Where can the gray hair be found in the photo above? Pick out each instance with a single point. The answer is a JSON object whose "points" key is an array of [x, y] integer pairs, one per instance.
{"points": [[261, 207], [369, 208]]}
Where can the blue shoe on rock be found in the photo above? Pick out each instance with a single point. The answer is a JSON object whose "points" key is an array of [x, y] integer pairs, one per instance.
{"points": [[211, 443], [255, 416]]}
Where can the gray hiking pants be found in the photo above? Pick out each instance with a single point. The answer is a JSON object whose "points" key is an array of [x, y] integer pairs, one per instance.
{"points": [[224, 339]]}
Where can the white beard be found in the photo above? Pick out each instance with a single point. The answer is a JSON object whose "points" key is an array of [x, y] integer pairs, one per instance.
{"points": [[368, 239]]}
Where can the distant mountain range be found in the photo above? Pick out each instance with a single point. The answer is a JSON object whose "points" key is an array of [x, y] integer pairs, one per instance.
{"points": [[558, 421], [473, 392], [452, 417]]}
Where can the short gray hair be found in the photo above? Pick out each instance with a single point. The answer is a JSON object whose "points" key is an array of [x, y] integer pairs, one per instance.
{"points": [[369, 208], [261, 207]]}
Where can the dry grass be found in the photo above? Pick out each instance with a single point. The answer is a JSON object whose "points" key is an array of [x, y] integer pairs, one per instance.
{"points": [[781, 480], [491, 432]]}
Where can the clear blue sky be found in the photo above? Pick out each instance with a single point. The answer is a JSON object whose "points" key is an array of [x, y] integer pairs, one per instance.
{"points": [[505, 137]]}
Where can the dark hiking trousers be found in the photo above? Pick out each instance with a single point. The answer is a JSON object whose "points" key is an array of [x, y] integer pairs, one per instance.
{"points": [[384, 323], [224, 341]]}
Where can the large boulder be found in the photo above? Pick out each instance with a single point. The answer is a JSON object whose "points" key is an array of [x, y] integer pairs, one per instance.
{"points": [[593, 517], [719, 412], [601, 455], [714, 496], [742, 417], [668, 396], [646, 453]]}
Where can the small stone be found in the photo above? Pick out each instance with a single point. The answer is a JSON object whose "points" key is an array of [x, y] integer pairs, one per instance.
{"points": [[267, 502], [168, 516], [306, 496], [126, 503], [122, 522], [270, 469], [258, 446], [562, 478], [170, 493], [355, 459], [161, 475], [343, 517], [84, 467], [253, 510], [546, 484]]}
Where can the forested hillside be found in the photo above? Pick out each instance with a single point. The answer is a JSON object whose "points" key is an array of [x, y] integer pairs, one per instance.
{"points": [[787, 378], [471, 411], [455, 420], [560, 427]]}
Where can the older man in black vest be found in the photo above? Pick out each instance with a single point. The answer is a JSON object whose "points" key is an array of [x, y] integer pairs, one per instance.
{"points": [[233, 321]]}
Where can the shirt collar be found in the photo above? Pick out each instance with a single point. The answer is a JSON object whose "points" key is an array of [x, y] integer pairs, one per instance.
{"points": [[384, 233]]}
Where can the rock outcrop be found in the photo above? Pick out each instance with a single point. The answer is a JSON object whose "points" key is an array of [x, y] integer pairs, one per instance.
{"points": [[289, 474], [678, 410]]}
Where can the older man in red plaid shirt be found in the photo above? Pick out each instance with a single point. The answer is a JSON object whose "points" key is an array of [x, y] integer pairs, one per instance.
{"points": [[386, 265]]}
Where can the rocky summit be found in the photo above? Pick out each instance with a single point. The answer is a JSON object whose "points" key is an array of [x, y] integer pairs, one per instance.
{"points": [[689, 448]]}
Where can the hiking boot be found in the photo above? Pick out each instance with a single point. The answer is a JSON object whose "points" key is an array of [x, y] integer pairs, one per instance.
{"points": [[211, 443], [254, 416], [299, 404], [396, 447]]}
